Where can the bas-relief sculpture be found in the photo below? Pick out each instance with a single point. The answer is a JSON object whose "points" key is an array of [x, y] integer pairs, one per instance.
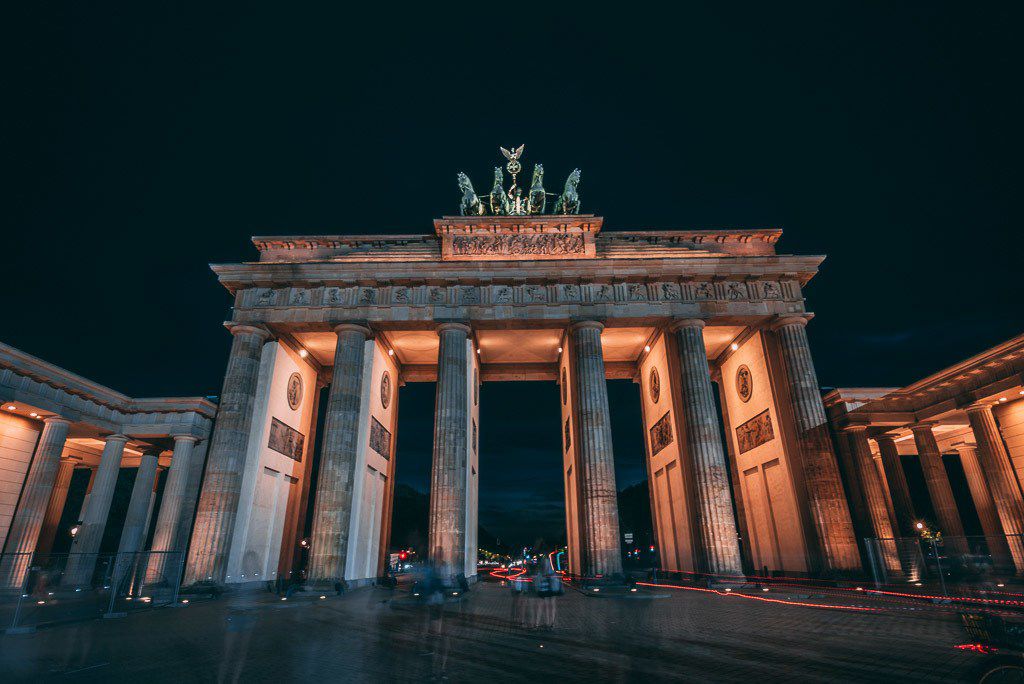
{"points": [[661, 433], [487, 245], [294, 391], [755, 432], [380, 438], [286, 440]]}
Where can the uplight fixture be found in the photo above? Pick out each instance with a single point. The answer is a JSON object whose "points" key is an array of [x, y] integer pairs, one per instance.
{"points": [[303, 353], [10, 407], [647, 347], [734, 346]]}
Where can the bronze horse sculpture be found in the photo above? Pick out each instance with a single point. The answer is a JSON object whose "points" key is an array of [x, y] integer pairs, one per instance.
{"points": [[499, 198], [569, 201], [537, 198], [470, 204]]}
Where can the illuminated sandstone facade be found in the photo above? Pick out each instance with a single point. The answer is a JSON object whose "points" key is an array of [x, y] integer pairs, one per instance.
{"points": [[971, 412], [687, 314], [52, 423]]}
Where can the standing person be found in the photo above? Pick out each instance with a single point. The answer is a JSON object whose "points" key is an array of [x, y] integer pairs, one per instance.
{"points": [[548, 585]]}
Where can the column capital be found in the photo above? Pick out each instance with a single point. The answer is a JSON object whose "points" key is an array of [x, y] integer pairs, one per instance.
{"points": [[855, 428], [244, 329], [886, 437], [965, 446], [353, 326], [789, 319], [55, 420], [453, 325], [581, 325], [923, 426], [116, 437], [185, 438], [978, 407], [680, 323]]}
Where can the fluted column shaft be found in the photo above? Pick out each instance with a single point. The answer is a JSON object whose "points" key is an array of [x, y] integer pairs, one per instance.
{"points": [[984, 505], [35, 496], [218, 502], [55, 509], [188, 506], [937, 479], [1002, 481], [82, 560], [716, 523], [830, 512], [134, 530], [874, 494], [599, 505], [169, 517], [332, 510], [899, 491], [447, 534]]}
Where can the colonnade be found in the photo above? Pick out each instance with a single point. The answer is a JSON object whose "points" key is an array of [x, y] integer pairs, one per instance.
{"points": [[44, 498], [714, 525], [987, 467]]}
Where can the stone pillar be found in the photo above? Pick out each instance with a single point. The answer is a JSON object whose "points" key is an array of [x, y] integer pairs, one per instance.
{"points": [[218, 503], [830, 512], [874, 495], [715, 521], [1002, 481], [938, 486], [35, 496], [447, 536], [134, 531], [602, 553], [162, 560], [55, 509], [899, 491], [332, 510], [985, 506], [188, 506], [82, 560]]}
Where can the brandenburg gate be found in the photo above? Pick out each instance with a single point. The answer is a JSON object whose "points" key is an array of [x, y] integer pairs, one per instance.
{"points": [[710, 323]]}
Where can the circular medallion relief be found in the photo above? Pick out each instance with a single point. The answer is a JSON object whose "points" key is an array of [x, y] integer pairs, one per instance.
{"points": [[654, 385], [564, 388], [744, 383], [385, 389], [294, 391]]}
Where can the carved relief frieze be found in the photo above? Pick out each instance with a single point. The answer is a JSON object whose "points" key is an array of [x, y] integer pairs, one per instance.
{"points": [[400, 295], [468, 295], [602, 293], [703, 291], [299, 297], [519, 244], [332, 296], [501, 294], [570, 293], [771, 290], [670, 292], [636, 292], [367, 296], [735, 291], [661, 433], [437, 295], [534, 294]]}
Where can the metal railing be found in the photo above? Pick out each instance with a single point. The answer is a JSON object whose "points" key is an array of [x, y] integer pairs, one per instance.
{"points": [[961, 563], [41, 591]]}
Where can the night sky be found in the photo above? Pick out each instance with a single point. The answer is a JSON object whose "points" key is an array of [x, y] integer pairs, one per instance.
{"points": [[142, 143]]}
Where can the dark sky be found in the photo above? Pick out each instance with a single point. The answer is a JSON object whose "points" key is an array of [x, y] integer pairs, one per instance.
{"points": [[144, 142]]}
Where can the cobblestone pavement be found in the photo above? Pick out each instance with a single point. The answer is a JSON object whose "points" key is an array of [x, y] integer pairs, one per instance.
{"points": [[379, 635]]}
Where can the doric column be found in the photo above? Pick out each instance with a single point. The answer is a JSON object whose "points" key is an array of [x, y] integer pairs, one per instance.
{"points": [[218, 503], [899, 491], [134, 531], [55, 509], [715, 521], [984, 505], [188, 506], [825, 496], [86, 546], [874, 494], [601, 546], [938, 484], [35, 496], [332, 510], [1002, 481], [169, 518], [447, 536]]}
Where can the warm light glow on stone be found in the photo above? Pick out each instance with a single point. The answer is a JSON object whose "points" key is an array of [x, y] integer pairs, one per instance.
{"points": [[303, 353], [647, 347]]}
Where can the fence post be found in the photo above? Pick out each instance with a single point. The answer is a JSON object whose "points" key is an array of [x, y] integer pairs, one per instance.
{"points": [[938, 566]]}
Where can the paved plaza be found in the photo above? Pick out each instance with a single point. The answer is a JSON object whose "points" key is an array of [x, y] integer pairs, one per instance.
{"points": [[380, 635]]}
